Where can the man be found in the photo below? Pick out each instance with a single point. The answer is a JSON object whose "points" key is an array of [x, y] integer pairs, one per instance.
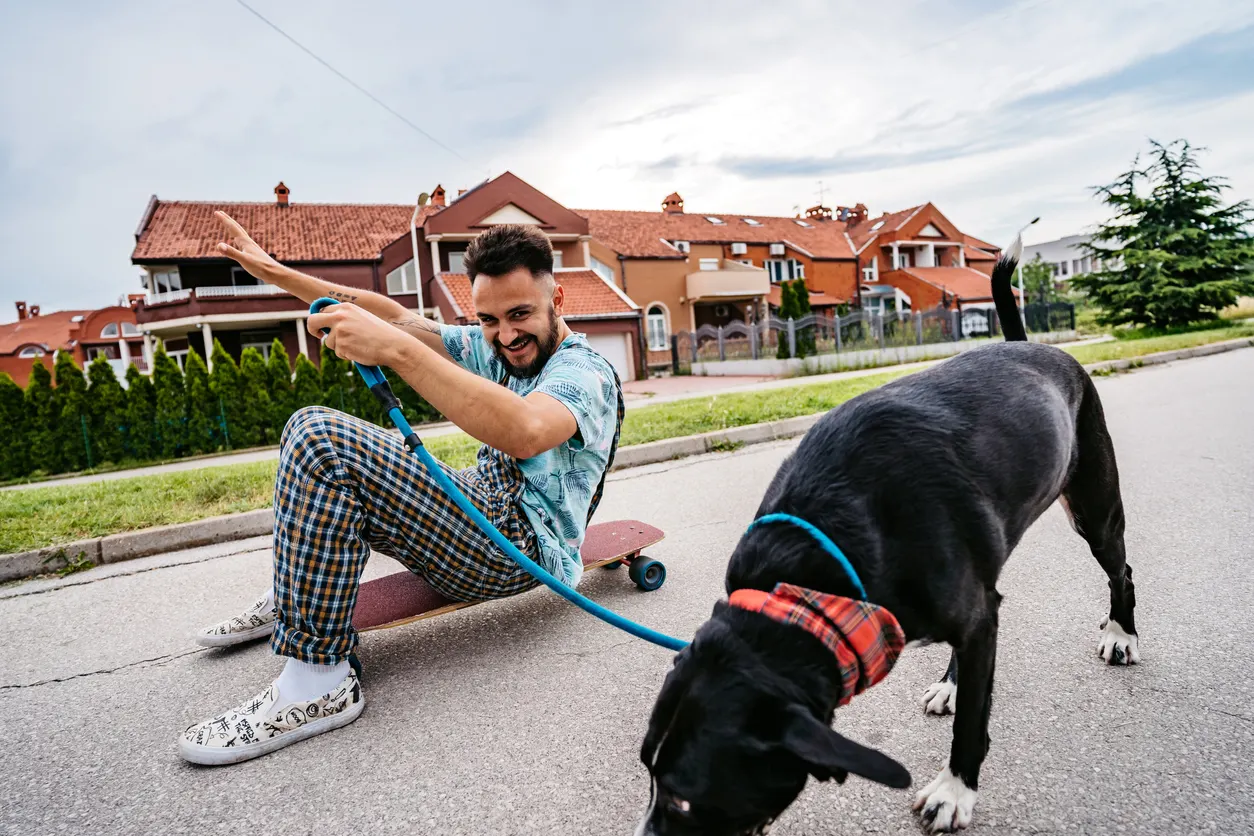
{"points": [[345, 486]]}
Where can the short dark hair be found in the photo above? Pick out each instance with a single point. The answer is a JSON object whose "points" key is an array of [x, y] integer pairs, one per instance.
{"points": [[505, 248]]}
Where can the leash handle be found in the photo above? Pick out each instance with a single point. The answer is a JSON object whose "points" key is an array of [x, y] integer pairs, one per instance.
{"points": [[378, 384]]}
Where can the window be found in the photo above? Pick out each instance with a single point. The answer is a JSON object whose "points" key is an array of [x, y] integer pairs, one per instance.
{"points": [[603, 270], [751, 222], [163, 281], [1063, 267], [263, 347], [800, 222], [31, 351], [714, 220], [98, 351], [402, 279], [903, 259], [868, 274], [780, 269], [1075, 266], [457, 262], [877, 225], [130, 330], [241, 278], [655, 322], [709, 263], [109, 332], [557, 259]]}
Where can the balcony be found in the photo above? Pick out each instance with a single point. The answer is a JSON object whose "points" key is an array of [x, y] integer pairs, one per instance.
{"points": [[728, 280], [219, 302]]}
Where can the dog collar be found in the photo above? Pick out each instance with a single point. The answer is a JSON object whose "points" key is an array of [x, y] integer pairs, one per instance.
{"points": [[826, 542], [865, 638]]}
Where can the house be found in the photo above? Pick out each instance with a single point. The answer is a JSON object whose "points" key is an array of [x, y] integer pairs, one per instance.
{"points": [[689, 269], [194, 295], [1066, 255], [37, 337], [916, 259]]}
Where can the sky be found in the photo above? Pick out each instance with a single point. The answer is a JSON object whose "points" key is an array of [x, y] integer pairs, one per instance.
{"points": [[996, 112]]}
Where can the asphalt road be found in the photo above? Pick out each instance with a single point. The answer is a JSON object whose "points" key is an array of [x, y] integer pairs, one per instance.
{"points": [[526, 716]]}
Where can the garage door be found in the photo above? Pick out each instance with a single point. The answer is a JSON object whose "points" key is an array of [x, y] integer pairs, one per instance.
{"points": [[613, 347]]}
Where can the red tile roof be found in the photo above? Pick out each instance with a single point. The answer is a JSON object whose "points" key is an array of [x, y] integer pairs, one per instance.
{"points": [[963, 282], [587, 295], [972, 241], [297, 232], [49, 331], [888, 222], [640, 234], [818, 299]]}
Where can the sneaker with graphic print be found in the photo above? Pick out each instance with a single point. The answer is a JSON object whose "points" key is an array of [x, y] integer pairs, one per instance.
{"points": [[266, 723], [256, 622]]}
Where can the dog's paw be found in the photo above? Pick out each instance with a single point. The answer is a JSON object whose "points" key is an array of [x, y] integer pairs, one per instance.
{"points": [[1117, 646], [946, 804], [941, 698]]}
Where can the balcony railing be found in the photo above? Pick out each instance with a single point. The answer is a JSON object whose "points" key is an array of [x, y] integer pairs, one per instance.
{"points": [[216, 292]]}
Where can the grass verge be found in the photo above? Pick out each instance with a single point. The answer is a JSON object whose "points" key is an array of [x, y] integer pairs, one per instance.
{"points": [[1140, 345], [38, 517]]}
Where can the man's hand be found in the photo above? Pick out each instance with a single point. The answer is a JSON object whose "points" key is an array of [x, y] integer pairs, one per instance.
{"points": [[244, 249], [360, 336]]}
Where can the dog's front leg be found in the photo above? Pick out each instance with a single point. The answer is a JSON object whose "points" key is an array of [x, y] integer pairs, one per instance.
{"points": [[947, 803]]}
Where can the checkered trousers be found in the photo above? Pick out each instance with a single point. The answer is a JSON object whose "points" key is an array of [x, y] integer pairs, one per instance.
{"points": [[346, 486]]}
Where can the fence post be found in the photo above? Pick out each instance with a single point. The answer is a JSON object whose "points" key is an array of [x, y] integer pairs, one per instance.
{"points": [[838, 333], [918, 326], [674, 354], [955, 320], [1072, 307], [792, 338], [880, 322], [82, 419], [226, 432], [722, 355], [753, 340]]}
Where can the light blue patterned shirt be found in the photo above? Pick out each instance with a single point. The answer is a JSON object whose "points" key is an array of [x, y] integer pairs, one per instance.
{"points": [[559, 482]]}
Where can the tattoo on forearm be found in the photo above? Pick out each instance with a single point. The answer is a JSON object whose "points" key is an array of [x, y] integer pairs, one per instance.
{"points": [[351, 297], [416, 323]]}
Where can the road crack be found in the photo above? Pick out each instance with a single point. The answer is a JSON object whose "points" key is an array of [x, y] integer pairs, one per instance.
{"points": [[156, 661]]}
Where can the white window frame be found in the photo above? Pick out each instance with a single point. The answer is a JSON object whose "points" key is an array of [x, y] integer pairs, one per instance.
{"points": [[715, 221], [97, 351], [31, 351], [557, 259], [130, 329], [784, 269], [405, 275], [751, 221], [179, 357], [110, 331], [652, 322], [460, 267], [708, 263], [263, 347], [603, 270], [164, 281]]}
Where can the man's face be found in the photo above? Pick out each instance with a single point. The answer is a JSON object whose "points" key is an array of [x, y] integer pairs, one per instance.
{"points": [[519, 314]]}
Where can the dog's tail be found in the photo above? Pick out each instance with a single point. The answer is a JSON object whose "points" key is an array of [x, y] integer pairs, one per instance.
{"points": [[1004, 295]]}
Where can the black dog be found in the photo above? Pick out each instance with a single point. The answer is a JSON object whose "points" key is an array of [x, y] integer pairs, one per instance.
{"points": [[927, 484]]}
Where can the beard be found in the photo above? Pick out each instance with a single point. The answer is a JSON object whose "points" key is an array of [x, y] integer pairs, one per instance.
{"points": [[546, 344]]}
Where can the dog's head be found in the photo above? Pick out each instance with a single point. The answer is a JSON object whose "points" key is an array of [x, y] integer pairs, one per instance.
{"points": [[731, 744]]}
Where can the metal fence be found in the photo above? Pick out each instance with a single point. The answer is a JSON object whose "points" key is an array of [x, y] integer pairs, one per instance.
{"points": [[814, 334]]}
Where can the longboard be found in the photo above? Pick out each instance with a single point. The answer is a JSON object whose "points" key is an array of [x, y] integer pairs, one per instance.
{"points": [[403, 597]]}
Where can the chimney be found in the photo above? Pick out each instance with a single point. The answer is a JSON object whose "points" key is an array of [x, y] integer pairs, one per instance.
{"points": [[673, 204], [280, 194], [819, 213], [857, 215], [461, 192], [34, 311], [21, 311], [437, 197]]}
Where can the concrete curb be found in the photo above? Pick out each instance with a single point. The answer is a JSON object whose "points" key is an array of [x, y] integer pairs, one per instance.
{"points": [[166, 538], [1169, 356]]}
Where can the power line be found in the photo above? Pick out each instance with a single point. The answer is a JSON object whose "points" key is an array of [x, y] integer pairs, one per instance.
{"points": [[357, 86]]}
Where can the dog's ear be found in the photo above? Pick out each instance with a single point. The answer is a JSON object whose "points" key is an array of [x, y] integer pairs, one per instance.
{"points": [[828, 755]]}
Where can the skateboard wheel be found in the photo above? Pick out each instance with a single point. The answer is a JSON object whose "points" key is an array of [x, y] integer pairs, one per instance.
{"points": [[617, 564], [647, 574]]}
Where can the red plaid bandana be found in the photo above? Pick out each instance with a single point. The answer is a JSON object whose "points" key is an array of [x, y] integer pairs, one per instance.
{"points": [[865, 638]]}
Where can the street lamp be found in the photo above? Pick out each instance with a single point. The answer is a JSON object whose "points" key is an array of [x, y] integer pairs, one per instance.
{"points": [[1019, 239]]}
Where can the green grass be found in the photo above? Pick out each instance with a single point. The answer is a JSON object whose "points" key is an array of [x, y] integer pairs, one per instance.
{"points": [[39, 517], [1141, 345]]}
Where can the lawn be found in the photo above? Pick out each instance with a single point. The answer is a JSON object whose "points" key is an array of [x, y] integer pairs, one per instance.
{"points": [[1138, 345], [40, 517]]}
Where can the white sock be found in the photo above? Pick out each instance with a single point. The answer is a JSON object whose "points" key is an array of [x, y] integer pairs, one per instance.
{"points": [[303, 682], [269, 596]]}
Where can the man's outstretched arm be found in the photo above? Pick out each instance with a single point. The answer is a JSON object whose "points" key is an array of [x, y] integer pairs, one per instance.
{"points": [[261, 266]]}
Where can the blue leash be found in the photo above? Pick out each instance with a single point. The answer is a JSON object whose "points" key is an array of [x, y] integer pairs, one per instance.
{"points": [[826, 542], [383, 391]]}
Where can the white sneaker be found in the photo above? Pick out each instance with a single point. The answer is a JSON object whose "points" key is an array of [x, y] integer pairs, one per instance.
{"points": [[256, 622], [260, 726]]}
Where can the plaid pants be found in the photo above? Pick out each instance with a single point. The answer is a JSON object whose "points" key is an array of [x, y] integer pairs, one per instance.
{"points": [[346, 486]]}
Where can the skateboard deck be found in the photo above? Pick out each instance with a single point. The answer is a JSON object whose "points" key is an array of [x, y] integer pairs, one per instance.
{"points": [[403, 597]]}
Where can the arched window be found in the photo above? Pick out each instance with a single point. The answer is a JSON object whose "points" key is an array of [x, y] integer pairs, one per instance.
{"points": [[655, 326], [31, 351], [129, 330], [110, 331]]}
